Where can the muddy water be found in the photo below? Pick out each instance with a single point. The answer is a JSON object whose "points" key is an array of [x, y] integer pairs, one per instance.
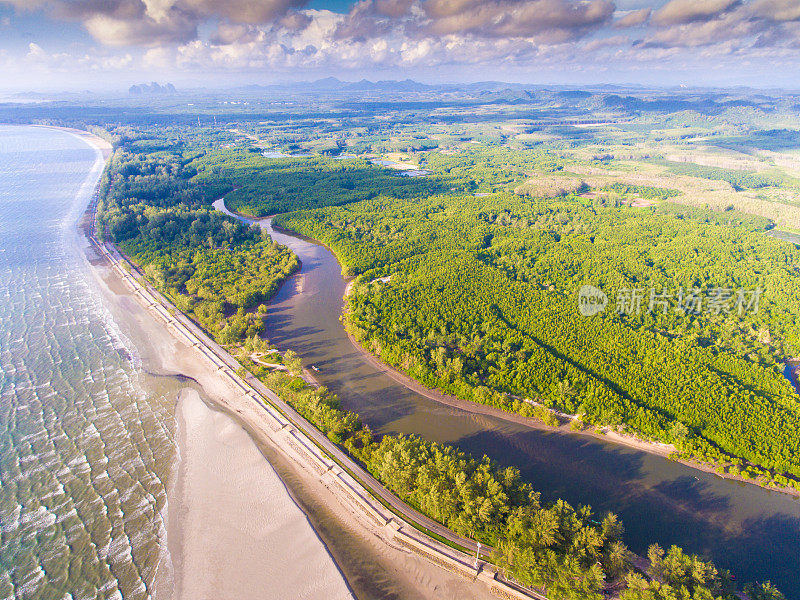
{"points": [[753, 532]]}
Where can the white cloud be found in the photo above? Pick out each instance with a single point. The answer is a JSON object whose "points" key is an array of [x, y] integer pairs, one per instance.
{"points": [[240, 11], [687, 11], [155, 22], [278, 36], [39, 60], [633, 18], [146, 31], [372, 36], [35, 52], [777, 10], [616, 41], [553, 20]]}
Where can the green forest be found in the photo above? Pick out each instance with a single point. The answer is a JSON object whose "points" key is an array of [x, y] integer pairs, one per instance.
{"points": [[211, 266], [482, 300], [482, 303], [737, 178], [255, 185], [567, 552], [259, 186]]}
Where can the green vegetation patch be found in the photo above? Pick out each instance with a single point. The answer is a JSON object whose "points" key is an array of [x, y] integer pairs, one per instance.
{"points": [[738, 179], [643, 191], [483, 304], [219, 287], [567, 552], [211, 266], [259, 186]]}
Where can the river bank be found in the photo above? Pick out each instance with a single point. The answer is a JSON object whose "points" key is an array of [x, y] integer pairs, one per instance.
{"points": [[438, 571], [745, 528], [598, 432], [443, 572], [656, 448]]}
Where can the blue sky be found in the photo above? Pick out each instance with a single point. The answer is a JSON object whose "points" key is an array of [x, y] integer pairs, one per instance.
{"points": [[340, 6], [110, 44]]}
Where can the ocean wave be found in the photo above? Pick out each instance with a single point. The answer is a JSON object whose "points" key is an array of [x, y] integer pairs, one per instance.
{"points": [[85, 449]]}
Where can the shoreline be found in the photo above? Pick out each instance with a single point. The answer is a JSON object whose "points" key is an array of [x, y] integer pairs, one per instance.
{"points": [[187, 511], [269, 427], [437, 568], [97, 142]]}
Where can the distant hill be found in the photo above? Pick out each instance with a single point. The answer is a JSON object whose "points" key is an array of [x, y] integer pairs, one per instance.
{"points": [[151, 88], [490, 90]]}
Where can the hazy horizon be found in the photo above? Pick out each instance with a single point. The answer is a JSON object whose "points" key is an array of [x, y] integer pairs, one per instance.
{"points": [[194, 86]]}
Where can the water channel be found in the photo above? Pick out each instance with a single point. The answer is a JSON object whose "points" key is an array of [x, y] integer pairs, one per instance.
{"points": [[751, 531]]}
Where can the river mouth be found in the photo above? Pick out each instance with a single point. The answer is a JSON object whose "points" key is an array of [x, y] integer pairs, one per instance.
{"points": [[751, 531]]}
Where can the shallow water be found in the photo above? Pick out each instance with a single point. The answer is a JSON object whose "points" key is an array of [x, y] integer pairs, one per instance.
{"points": [[752, 531], [86, 438]]}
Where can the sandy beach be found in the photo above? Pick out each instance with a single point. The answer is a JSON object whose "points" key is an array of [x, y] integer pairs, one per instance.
{"points": [[103, 145], [233, 530], [212, 539], [235, 522]]}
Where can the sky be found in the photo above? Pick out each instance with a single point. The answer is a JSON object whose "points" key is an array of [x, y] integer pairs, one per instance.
{"points": [[100, 45]]}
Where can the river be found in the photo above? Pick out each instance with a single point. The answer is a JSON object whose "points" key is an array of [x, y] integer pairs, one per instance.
{"points": [[751, 531]]}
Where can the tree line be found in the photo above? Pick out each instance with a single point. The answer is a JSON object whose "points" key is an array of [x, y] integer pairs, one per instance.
{"points": [[212, 267], [566, 552]]}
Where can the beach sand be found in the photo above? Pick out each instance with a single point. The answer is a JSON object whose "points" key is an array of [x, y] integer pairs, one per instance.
{"points": [[244, 520], [221, 498], [233, 529], [234, 521], [93, 140]]}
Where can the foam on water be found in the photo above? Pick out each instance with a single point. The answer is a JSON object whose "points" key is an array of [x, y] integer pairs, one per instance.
{"points": [[84, 449]]}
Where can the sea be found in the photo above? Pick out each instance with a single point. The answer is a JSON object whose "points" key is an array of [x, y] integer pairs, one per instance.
{"points": [[87, 441]]}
